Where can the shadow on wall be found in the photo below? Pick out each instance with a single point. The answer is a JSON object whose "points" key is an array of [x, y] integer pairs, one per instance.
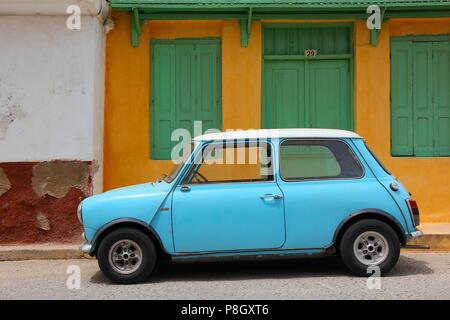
{"points": [[38, 200]]}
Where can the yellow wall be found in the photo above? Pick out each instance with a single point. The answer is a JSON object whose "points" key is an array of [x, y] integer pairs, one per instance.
{"points": [[127, 119], [426, 178]]}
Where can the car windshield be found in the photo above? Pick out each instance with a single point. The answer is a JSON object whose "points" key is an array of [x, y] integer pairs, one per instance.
{"points": [[177, 167]]}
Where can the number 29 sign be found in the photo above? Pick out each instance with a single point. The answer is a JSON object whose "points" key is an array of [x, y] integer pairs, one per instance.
{"points": [[310, 52]]}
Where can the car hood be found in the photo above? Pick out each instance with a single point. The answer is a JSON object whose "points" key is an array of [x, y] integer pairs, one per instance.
{"points": [[138, 202], [138, 190]]}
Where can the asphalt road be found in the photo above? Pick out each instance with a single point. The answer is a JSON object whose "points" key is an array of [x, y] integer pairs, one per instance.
{"points": [[417, 275]]}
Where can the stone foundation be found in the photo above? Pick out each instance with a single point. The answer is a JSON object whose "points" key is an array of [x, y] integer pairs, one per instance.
{"points": [[38, 200]]}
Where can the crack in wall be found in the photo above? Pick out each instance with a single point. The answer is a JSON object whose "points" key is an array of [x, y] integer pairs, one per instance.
{"points": [[9, 112]]}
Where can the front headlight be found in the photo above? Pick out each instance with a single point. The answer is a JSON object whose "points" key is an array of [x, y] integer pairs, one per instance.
{"points": [[79, 216]]}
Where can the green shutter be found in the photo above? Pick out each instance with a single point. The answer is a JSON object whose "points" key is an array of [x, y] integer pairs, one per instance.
{"points": [[208, 90], [442, 98], [420, 97], [401, 99], [186, 84], [185, 88], [163, 99]]}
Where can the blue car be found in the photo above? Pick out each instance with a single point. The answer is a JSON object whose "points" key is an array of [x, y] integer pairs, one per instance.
{"points": [[256, 194]]}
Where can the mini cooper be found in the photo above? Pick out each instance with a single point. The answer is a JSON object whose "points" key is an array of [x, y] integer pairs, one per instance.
{"points": [[256, 194]]}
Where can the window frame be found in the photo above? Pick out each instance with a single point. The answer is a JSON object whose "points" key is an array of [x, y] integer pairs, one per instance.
{"points": [[195, 165], [355, 156]]}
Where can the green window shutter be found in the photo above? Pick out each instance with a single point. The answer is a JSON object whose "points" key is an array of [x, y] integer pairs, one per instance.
{"points": [[441, 68], [420, 117], [208, 88], [163, 100], [423, 98], [185, 88], [401, 99]]}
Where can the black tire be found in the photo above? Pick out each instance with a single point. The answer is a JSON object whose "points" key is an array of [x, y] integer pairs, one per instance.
{"points": [[147, 263], [349, 257]]}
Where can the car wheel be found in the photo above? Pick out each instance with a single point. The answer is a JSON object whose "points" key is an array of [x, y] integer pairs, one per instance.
{"points": [[126, 255], [368, 244]]}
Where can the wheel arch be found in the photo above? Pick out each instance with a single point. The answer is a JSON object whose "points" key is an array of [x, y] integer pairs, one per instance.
{"points": [[130, 223], [368, 214]]}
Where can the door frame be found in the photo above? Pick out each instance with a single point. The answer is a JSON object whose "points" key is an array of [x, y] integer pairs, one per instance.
{"points": [[349, 57], [207, 40]]}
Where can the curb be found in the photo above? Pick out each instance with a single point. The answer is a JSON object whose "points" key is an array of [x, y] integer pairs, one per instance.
{"points": [[40, 252], [437, 242]]}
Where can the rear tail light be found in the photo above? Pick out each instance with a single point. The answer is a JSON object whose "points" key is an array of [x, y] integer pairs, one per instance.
{"points": [[414, 211]]}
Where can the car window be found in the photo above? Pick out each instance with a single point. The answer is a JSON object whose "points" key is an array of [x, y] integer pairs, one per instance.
{"points": [[318, 159], [232, 162]]}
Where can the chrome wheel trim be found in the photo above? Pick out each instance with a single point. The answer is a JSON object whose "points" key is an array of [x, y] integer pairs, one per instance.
{"points": [[371, 248], [125, 256]]}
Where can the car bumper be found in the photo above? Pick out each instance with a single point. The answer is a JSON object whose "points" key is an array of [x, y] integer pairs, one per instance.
{"points": [[86, 247], [416, 233], [413, 235]]}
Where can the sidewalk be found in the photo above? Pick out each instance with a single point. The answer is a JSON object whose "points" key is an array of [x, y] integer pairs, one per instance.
{"points": [[437, 235]]}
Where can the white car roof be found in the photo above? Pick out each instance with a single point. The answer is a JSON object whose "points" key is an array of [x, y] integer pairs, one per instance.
{"points": [[277, 133]]}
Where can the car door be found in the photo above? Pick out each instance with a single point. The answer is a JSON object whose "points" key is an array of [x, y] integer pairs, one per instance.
{"points": [[229, 201], [323, 182]]}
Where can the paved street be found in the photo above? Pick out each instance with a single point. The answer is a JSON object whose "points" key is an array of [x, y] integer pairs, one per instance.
{"points": [[417, 275]]}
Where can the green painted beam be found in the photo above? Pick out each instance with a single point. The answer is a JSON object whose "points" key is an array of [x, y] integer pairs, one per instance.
{"points": [[136, 20], [256, 15], [274, 4], [136, 24], [374, 34], [303, 57], [246, 28], [249, 21], [244, 33], [192, 16]]}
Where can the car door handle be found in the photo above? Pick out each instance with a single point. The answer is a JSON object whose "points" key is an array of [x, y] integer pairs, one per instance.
{"points": [[271, 196], [185, 188]]}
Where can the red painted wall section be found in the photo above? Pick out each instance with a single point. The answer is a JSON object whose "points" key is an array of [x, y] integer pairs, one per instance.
{"points": [[38, 200]]}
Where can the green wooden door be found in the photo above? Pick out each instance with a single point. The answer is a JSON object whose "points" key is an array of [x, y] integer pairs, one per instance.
{"points": [[185, 88], [329, 94], [302, 92], [308, 94], [285, 94], [420, 98]]}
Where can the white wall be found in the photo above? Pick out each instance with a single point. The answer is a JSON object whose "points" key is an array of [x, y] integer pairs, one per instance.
{"points": [[51, 88]]}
